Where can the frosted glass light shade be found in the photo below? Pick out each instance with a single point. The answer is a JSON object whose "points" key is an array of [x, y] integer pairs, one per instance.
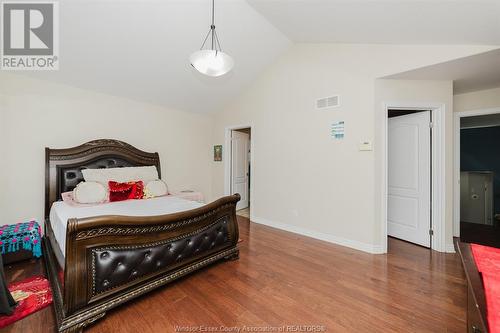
{"points": [[211, 62]]}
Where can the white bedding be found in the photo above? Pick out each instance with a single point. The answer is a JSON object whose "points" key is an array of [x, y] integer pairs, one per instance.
{"points": [[60, 212]]}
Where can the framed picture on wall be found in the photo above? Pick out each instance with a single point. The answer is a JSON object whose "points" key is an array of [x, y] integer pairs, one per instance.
{"points": [[218, 153]]}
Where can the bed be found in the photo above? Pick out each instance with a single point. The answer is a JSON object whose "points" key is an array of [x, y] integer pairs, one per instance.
{"points": [[482, 267], [100, 257]]}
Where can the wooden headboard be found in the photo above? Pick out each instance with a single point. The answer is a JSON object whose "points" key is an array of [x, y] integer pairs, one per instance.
{"points": [[63, 168]]}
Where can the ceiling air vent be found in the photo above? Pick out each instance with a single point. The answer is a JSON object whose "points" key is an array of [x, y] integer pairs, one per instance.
{"points": [[328, 102]]}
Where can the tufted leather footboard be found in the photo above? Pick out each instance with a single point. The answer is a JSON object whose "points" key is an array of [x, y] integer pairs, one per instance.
{"points": [[118, 265], [112, 259]]}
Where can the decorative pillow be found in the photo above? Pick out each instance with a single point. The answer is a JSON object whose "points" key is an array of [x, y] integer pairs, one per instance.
{"points": [[90, 193], [67, 197], [121, 175], [125, 191], [155, 188]]}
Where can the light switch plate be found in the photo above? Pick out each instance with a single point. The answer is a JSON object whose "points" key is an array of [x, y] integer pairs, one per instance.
{"points": [[365, 146]]}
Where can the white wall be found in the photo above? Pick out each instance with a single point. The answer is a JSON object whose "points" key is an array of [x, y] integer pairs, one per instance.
{"points": [[3, 103], [303, 180], [36, 114], [477, 100]]}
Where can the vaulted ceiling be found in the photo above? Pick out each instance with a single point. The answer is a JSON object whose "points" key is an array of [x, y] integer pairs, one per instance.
{"points": [[385, 21], [476, 72], [140, 48]]}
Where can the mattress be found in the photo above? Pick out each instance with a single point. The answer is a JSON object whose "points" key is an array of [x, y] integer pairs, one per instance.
{"points": [[60, 212]]}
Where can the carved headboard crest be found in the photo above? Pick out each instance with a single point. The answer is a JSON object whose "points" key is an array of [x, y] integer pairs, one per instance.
{"points": [[63, 166]]}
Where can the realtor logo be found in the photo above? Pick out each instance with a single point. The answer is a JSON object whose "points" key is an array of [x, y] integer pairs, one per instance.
{"points": [[29, 35]]}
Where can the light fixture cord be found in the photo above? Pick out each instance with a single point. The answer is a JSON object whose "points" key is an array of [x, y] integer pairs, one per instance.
{"points": [[212, 27], [212, 33], [213, 12]]}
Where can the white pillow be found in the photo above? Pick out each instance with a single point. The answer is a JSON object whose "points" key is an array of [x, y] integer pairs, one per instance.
{"points": [[121, 175], [90, 193], [156, 188]]}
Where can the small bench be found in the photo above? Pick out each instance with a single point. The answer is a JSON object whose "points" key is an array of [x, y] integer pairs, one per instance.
{"points": [[20, 241]]}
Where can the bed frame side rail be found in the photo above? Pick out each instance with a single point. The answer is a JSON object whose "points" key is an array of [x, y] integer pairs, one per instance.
{"points": [[477, 321]]}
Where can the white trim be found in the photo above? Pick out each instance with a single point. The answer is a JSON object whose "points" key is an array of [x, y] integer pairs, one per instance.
{"points": [[456, 161], [226, 159], [365, 247], [438, 170]]}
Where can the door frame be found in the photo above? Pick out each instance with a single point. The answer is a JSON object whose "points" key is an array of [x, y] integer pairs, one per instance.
{"points": [[456, 161], [438, 147], [227, 160]]}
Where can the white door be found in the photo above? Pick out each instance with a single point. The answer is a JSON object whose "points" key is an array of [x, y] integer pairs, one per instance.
{"points": [[239, 166], [409, 175]]}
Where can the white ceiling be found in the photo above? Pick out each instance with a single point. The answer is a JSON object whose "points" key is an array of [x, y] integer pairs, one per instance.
{"points": [[472, 73], [140, 49], [385, 21]]}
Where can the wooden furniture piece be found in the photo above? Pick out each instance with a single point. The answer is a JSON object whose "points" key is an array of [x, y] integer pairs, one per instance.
{"points": [[476, 300], [13, 257], [110, 260], [7, 302], [20, 241]]}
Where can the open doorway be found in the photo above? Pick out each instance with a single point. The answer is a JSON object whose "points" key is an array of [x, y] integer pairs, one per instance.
{"points": [[409, 173], [435, 124], [240, 160], [478, 150]]}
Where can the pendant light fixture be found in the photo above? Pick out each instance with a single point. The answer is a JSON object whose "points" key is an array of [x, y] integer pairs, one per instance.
{"points": [[211, 62]]}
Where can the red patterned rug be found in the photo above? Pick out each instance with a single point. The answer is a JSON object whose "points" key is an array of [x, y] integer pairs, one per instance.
{"points": [[32, 294]]}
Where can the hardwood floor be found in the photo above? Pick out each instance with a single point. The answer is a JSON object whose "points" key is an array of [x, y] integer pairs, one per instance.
{"points": [[245, 212], [286, 279]]}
